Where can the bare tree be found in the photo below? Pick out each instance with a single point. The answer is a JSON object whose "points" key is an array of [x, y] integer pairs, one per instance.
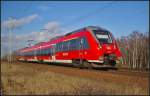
{"points": [[135, 49]]}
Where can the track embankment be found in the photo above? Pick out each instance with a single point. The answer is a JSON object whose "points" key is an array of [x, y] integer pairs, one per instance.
{"points": [[128, 78]]}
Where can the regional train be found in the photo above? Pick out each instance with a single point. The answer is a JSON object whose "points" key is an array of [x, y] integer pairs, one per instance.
{"points": [[91, 46]]}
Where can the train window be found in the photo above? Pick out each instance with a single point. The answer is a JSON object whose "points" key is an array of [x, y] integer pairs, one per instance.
{"points": [[47, 51], [74, 44], [62, 49], [68, 45], [26, 53], [103, 36], [21, 53], [42, 51], [32, 53], [37, 52], [50, 50], [59, 47], [65, 46], [78, 41], [29, 53]]}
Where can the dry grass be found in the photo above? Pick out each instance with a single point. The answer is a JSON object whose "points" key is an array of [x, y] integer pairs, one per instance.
{"points": [[17, 80]]}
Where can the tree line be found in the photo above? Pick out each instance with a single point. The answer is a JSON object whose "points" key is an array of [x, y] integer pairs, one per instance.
{"points": [[135, 50]]}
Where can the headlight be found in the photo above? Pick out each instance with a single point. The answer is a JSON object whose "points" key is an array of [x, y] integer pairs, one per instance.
{"points": [[101, 58], [100, 46]]}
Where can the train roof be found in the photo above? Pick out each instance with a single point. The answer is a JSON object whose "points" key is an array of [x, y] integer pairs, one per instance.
{"points": [[88, 27], [95, 28]]}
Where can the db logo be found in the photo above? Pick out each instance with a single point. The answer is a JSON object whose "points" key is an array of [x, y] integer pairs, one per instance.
{"points": [[65, 54]]}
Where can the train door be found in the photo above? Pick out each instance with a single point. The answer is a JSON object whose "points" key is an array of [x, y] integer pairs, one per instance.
{"points": [[53, 52], [81, 48]]}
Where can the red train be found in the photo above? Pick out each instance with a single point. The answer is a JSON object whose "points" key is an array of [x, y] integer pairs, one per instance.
{"points": [[87, 47]]}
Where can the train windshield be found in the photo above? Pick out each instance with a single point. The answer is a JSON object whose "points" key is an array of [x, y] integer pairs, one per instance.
{"points": [[103, 36]]}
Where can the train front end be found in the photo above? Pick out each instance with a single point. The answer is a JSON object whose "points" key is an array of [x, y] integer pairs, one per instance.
{"points": [[109, 52]]}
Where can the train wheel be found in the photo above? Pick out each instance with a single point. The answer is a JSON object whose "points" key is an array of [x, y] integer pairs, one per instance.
{"points": [[106, 61], [87, 65], [77, 63], [113, 63]]}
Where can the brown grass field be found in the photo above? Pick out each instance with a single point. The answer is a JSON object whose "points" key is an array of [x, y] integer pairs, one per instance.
{"points": [[22, 79]]}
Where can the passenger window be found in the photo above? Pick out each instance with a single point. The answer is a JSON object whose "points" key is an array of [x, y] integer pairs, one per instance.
{"points": [[38, 52], [74, 44], [78, 43], [65, 46], [49, 51], [59, 47]]}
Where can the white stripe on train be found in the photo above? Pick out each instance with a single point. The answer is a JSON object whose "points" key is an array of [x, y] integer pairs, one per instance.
{"points": [[63, 61]]}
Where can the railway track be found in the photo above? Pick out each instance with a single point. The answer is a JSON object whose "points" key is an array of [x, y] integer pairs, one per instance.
{"points": [[120, 71], [130, 73]]}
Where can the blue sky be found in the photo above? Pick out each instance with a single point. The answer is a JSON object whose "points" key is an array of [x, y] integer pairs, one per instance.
{"points": [[119, 17]]}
